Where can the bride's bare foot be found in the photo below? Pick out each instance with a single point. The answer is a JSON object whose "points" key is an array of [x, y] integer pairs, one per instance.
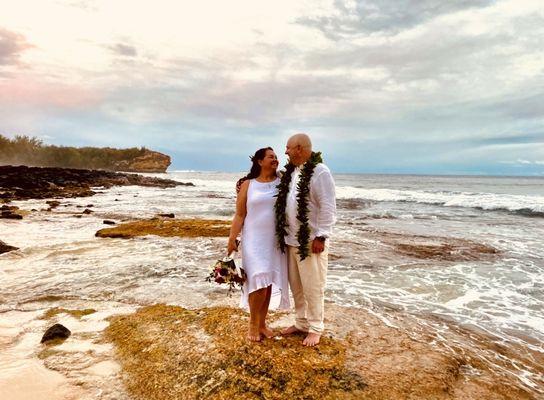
{"points": [[253, 334], [312, 339], [267, 332], [291, 330]]}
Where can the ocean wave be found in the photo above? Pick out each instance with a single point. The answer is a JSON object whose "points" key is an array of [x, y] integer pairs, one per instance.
{"points": [[532, 206]]}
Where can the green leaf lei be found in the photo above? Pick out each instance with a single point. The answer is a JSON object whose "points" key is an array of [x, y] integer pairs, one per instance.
{"points": [[303, 198]]}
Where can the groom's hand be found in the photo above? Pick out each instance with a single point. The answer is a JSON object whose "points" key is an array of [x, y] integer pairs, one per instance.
{"points": [[318, 246]]}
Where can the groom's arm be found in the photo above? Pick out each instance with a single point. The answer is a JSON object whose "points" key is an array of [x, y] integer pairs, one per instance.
{"points": [[326, 217]]}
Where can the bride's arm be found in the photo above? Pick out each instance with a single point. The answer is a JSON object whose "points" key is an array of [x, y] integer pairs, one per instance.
{"points": [[239, 217]]}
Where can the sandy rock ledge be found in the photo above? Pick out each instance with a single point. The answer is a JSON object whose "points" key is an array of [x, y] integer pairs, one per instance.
{"points": [[168, 227], [169, 352]]}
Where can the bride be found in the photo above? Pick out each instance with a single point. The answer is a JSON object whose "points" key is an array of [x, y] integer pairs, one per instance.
{"points": [[263, 262]]}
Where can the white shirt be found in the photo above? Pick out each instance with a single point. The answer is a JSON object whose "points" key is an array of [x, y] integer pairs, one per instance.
{"points": [[322, 205]]}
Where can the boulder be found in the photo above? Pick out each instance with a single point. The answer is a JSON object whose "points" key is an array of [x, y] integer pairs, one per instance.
{"points": [[10, 215], [87, 211], [4, 247], [108, 222], [167, 215], [53, 203], [9, 208], [56, 331]]}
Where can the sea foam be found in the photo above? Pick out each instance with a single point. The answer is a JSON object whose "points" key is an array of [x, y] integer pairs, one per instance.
{"points": [[521, 204]]}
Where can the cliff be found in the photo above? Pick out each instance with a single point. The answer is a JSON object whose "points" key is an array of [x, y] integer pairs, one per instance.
{"points": [[24, 150], [149, 161]]}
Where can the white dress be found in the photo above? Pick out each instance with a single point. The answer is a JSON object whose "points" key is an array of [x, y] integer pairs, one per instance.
{"points": [[262, 260]]}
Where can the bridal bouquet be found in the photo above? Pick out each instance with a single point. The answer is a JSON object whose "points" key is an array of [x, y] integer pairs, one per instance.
{"points": [[226, 271]]}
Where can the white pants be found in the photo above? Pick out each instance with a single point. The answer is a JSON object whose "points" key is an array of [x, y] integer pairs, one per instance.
{"points": [[307, 279]]}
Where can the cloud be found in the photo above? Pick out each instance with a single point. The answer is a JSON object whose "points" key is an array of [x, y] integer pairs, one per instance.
{"points": [[12, 45], [87, 5], [123, 49], [387, 17], [405, 86], [24, 94]]}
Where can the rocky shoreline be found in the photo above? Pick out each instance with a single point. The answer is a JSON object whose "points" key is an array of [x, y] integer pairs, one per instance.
{"points": [[163, 351], [24, 183]]}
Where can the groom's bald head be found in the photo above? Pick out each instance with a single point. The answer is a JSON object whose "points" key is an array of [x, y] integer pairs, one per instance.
{"points": [[302, 140], [299, 148]]}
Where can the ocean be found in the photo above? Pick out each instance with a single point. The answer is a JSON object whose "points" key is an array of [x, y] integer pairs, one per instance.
{"points": [[447, 251]]}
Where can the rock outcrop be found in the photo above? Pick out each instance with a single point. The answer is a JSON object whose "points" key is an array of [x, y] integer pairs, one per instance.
{"points": [[25, 150], [168, 228], [23, 183], [169, 352], [10, 212], [4, 247], [150, 161]]}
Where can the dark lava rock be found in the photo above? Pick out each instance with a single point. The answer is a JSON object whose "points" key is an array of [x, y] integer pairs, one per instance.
{"points": [[10, 215], [53, 203], [23, 183], [89, 205], [167, 215], [9, 208], [57, 331], [87, 211], [108, 222], [4, 248]]}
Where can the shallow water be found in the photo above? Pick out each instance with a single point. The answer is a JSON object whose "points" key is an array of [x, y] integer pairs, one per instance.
{"points": [[502, 297]]}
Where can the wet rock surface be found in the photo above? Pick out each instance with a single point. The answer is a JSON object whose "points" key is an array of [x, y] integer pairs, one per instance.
{"points": [[4, 247], [23, 183], [167, 215], [168, 227], [53, 203], [170, 352], [10, 212], [385, 248], [57, 331]]}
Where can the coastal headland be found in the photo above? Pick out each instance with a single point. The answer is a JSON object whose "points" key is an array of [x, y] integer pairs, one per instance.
{"points": [[25, 150]]}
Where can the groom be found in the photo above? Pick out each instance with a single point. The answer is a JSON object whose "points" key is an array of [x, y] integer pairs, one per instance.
{"points": [[305, 214]]}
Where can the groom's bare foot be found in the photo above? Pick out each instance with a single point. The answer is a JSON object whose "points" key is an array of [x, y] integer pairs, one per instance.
{"points": [[253, 334], [312, 339], [291, 330], [267, 332]]}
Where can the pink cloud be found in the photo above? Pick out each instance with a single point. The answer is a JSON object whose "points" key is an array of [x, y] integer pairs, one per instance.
{"points": [[12, 44], [25, 91]]}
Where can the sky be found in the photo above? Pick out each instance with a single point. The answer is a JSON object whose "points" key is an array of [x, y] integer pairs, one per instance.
{"points": [[381, 86]]}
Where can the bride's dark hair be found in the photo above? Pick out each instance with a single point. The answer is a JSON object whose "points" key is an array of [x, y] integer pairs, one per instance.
{"points": [[255, 170]]}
